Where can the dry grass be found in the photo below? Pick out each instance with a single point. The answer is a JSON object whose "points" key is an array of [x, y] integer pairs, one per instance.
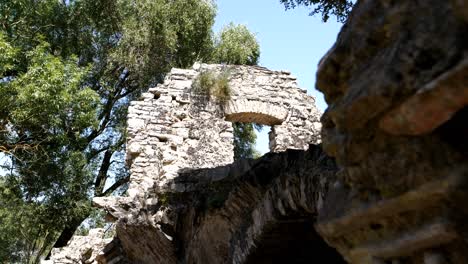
{"points": [[213, 85]]}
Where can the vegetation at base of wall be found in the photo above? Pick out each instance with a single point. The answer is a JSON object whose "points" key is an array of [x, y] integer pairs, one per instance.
{"points": [[213, 85]]}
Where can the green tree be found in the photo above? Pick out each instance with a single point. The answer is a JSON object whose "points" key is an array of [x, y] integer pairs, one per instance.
{"points": [[45, 110], [338, 8], [244, 140], [235, 44], [68, 72]]}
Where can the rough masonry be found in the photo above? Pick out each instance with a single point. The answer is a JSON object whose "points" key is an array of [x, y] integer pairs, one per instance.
{"points": [[174, 128], [396, 82], [181, 158]]}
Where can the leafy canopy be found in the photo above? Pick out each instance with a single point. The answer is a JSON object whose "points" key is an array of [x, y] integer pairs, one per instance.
{"points": [[68, 70], [45, 111], [235, 44], [338, 8]]}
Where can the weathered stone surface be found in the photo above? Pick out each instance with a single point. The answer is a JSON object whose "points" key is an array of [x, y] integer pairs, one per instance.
{"points": [[174, 127], [226, 214], [251, 211], [187, 202], [253, 111], [384, 56], [396, 83], [234, 215], [431, 106], [93, 248]]}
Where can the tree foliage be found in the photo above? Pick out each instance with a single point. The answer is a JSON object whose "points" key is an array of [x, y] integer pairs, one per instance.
{"points": [[338, 8], [244, 140], [68, 70], [159, 34], [235, 44]]}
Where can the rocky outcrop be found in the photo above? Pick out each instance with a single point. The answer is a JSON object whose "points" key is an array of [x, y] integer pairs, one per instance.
{"points": [[397, 88]]}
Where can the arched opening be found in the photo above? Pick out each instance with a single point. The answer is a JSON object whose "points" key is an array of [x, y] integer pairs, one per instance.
{"points": [[247, 138], [262, 145], [247, 117], [254, 114], [293, 241]]}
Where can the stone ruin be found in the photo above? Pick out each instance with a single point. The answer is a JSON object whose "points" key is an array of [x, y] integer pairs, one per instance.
{"points": [[389, 187], [174, 128], [181, 142]]}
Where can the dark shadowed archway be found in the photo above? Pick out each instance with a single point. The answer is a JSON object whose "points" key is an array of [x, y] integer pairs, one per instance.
{"points": [[293, 241]]}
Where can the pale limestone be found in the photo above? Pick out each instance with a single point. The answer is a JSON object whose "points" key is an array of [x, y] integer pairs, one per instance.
{"points": [[189, 131], [172, 130]]}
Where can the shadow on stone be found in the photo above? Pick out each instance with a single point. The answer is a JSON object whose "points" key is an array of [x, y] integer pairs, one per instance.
{"points": [[293, 241]]}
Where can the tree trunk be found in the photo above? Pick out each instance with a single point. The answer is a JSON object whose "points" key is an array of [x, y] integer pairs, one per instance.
{"points": [[67, 233]]}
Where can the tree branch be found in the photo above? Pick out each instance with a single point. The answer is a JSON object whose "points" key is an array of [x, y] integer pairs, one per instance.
{"points": [[116, 185], [102, 174], [94, 152]]}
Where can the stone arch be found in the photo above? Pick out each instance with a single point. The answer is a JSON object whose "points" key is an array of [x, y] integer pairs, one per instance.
{"points": [[188, 198], [249, 111], [231, 214], [271, 200], [293, 241]]}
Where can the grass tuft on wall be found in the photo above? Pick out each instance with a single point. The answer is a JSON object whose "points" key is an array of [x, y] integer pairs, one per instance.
{"points": [[213, 85]]}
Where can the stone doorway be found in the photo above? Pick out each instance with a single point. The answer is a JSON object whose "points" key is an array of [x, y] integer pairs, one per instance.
{"points": [[293, 241]]}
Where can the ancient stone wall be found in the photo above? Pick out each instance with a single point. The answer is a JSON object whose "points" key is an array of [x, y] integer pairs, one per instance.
{"points": [[251, 211], [180, 154], [396, 82], [174, 127]]}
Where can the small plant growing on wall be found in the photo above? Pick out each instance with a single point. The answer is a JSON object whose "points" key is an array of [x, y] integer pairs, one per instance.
{"points": [[213, 85]]}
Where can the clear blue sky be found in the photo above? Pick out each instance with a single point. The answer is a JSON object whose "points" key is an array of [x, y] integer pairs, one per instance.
{"points": [[289, 40]]}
